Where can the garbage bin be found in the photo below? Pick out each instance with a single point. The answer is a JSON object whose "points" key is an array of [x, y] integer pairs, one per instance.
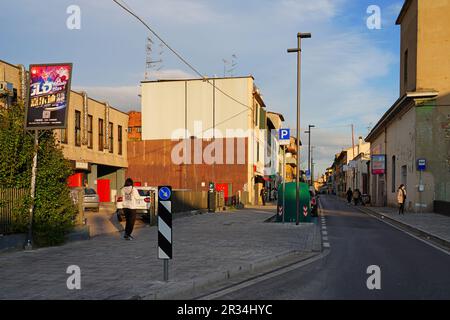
{"points": [[290, 203], [212, 201]]}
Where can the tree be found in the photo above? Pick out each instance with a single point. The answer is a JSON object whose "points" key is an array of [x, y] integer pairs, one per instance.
{"points": [[54, 211]]}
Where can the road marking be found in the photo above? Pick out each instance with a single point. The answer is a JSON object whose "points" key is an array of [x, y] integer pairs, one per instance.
{"points": [[325, 233], [325, 238], [326, 245], [266, 276]]}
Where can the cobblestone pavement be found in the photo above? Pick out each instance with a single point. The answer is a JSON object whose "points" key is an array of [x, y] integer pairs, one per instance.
{"points": [[112, 268]]}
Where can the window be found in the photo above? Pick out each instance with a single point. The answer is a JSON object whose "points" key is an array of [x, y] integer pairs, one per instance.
{"points": [[119, 137], [90, 133], [111, 137], [394, 183], [63, 138], [139, 129], [101, 137], [405, 70], [78, 128]]}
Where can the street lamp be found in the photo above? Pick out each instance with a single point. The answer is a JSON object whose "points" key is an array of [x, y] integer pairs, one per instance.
{"points": [[309, 149], [298, 50]]}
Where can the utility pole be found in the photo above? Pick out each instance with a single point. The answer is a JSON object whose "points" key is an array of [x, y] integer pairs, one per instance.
{"points": [[353, 155], [309, 148], [298, 50]]}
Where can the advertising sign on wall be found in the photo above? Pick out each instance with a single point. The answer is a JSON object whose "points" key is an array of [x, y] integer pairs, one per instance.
{"points": [[48, 98], [378, 164]]}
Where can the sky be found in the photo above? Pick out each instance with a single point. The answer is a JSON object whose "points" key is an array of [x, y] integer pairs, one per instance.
{"points": [[350, 73]]}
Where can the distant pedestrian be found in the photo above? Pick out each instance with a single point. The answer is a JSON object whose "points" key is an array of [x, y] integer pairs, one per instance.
{"points": [[130, 197], [356, 196], [263, 194], [401, 198], [349, 195]]}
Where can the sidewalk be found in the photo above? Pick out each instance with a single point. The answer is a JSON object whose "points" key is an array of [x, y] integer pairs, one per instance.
{"points": [[431, 225], [207, 248]]}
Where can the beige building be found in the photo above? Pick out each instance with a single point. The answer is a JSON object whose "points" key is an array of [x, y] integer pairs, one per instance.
{"points": [[95, 139], [417, 126], [228, 113]]}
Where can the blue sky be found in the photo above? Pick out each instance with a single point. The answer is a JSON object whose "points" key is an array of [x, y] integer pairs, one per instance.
{"points": [[350, 73]]}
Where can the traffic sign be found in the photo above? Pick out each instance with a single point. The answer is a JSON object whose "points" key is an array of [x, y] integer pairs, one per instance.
{"points": [[165, 223], [284, 136], [164, 193], [305, 211], [421, 164]]}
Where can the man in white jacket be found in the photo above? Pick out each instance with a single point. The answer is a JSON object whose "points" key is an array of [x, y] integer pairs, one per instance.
{"points": [[130, 196]]}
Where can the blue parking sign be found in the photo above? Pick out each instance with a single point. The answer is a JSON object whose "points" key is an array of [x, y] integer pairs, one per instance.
{"points": [[284, 136]]}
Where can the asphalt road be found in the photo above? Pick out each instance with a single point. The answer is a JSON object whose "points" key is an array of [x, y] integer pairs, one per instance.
{"points": [[410, 269]]}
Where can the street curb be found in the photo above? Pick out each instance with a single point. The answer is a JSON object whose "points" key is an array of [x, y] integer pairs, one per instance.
{"points": [[437, 241], [191, 289]]}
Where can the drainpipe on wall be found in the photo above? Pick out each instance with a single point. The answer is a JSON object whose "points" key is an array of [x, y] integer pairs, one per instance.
{"points": [[106, 124], [84, 139]]}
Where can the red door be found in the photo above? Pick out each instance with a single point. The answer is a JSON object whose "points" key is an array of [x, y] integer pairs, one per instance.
{"points": [[223, 187], [104, 190]]}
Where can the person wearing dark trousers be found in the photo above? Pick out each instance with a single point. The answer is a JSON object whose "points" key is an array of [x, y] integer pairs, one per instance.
{"points": [[130, 197], [263, 195], [401, 198], [349, 195]]}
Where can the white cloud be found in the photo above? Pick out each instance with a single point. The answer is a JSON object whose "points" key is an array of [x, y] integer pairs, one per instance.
{"points": [[307, 9]]}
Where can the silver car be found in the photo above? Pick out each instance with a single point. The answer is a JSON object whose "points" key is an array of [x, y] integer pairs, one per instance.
{"points": [[90, 199]]}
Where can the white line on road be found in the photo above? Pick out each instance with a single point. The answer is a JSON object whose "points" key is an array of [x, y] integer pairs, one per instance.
{"points": [[325, 238], [326, 245], [325, 233], [264, 277]]}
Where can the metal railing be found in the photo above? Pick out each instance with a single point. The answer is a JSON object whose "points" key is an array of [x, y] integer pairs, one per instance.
{"points": [[10, 200]]}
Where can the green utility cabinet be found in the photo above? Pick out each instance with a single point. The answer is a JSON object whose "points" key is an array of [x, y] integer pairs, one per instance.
{"points": [[290, 203]]}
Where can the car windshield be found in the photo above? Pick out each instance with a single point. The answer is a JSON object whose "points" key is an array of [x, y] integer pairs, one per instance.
{"points": [[89, 191], [144, 193]]}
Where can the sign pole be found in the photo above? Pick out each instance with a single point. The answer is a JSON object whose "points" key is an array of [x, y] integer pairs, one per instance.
{"points": [[284, 183], [29, 244], [165, 227]]}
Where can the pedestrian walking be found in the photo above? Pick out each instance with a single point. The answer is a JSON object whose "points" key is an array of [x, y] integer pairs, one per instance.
{"points": [[356, 196], [263, 194], [349, 195], [401, 198], [130, 197]]}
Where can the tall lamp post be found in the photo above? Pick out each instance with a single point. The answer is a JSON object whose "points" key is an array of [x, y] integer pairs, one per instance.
{"points": [[309, 149], [298, 50]]}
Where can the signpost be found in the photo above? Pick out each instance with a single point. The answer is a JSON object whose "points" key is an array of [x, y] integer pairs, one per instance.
{"points": [[284, 137], [165, 227], [46, 109], [421, 167]]}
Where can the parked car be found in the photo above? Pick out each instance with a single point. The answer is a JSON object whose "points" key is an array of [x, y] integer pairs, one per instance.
{"points": [[91, 200], [314, 202], [146, 203]]}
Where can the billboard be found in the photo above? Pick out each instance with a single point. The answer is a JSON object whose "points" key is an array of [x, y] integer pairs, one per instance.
{"points": [[378, 164], [48, 98]]}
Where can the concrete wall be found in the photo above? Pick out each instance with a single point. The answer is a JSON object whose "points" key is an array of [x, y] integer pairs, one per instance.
{"points": [[171, 105]]}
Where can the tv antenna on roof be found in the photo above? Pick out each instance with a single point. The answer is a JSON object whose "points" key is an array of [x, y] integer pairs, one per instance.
{"points": [[152, 65]]}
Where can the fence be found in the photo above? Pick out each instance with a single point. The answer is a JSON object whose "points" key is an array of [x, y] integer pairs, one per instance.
{"points": [[10, 199]]}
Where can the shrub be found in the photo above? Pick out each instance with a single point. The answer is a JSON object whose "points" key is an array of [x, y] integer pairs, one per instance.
{"points": [[54, 211]]}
